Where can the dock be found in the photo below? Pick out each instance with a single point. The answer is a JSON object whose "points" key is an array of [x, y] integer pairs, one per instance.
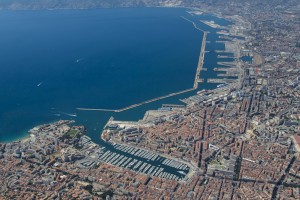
{"points": [[222, 80], [232, 72], [225, 69], [229, 74], [221, 56], [222, 51], [228, 64]]}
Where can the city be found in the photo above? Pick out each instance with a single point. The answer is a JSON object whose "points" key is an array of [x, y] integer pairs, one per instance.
{"points": [[238, 141]]}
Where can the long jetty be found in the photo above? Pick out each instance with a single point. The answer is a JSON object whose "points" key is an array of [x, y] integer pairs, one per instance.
{"points": [[201, 60], [196, 81], [155, 99], [138, 104]]}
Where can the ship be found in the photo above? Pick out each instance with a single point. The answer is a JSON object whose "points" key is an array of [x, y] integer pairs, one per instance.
{"points": [[221, 85]]}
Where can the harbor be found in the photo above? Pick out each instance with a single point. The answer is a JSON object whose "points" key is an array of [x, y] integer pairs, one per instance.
{"points": [[155, 163], [195, 86], [136, 159]]}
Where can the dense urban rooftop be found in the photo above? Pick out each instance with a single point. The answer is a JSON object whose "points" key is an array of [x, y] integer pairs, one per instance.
{"points": [[239, 141]]}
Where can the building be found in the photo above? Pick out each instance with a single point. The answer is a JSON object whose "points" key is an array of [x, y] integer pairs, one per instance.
{"points": [[296, 140]]}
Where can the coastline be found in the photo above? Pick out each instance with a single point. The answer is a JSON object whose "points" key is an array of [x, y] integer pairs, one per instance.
{"points": [[167, 96], [191, 165], [218, 142], [109, 136], [193, 169], [23, 137], [44, 113]]}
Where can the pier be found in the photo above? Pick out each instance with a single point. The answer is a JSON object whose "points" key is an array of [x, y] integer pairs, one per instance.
{"points": [[138, 104], [222, 80], [227, 64], [194, 24], [201, 60], [95, 109], [232, 72], [152, 100], [196, 81]]}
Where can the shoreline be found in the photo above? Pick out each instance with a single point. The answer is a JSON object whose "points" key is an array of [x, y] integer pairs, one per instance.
{"points": [[114, 136], [26, 136], [21, 138], [193, 169], [218, 142]]}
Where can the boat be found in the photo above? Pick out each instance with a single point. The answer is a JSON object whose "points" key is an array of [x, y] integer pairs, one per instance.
{"points": [[221, 85], [182, 172]]}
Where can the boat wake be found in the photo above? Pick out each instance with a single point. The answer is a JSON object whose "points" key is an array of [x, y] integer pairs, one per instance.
{"points": [[78, 60], [69, 114]]}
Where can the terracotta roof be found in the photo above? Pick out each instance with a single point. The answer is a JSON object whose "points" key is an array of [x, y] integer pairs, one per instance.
{"points": [[297, 139]]}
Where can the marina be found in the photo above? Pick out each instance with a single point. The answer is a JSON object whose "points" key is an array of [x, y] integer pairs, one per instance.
{"points": [[154, 164], [128, 157]]}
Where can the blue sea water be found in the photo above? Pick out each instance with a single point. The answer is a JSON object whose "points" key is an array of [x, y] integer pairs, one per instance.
{"points": [[52, 62]]}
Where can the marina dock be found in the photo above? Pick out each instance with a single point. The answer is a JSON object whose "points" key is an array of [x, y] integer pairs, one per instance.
{"points": [[136, 159]]}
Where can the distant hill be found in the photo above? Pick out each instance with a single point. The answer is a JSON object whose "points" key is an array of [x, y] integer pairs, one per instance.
{"points": [[85, 4], [81, 4]]}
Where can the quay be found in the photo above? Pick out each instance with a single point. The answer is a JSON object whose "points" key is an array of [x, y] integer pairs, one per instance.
{"points": [[223, 80], [173, 106], [222, 51], [228, 64], [229, 74], [221, 56], [224, 69]]}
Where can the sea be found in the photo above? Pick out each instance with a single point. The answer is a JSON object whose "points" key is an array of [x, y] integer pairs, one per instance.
{"points": [[53, 62]]}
